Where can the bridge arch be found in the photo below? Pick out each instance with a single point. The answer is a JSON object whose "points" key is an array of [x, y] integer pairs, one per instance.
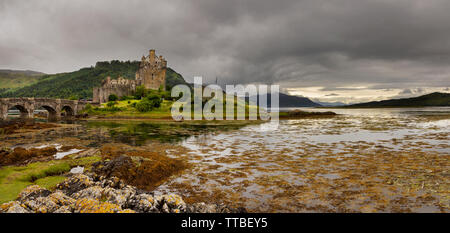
{"points": [[24, 112], [52, 111], [68, 111]]}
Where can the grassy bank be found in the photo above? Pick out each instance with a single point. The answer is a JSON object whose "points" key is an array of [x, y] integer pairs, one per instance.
{"points": [[45, 174], [129, 109], [124, 109]]}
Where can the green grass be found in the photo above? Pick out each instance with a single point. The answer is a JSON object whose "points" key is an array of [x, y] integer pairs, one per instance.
{"points": [[14, 179], [50, 182], [39, 172], [126, 110]]}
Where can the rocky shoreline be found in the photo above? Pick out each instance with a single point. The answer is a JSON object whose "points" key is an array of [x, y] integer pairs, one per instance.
{"points": [[91, 193]]}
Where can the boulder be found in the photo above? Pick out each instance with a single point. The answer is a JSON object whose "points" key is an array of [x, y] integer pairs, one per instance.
{"points": [[13, 207], [75, 183], [96, 194], [94, 206], [32, 192], [143, 203]]}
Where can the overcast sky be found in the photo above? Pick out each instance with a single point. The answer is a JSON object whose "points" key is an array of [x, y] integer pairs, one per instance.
{"points": [[335, 50]]}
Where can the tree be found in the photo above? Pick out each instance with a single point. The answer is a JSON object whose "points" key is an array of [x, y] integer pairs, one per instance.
{"points": [[140, 92], [88, 108], [144, 106], [110, 104], [113, 97], [73, 97], [153, 100]]}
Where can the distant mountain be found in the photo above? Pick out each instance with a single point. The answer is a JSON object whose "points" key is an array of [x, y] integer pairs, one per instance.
{"points": [[433, 99], [330, 104], [11, 80], [289, 101], [79, 84], [22, 72]]}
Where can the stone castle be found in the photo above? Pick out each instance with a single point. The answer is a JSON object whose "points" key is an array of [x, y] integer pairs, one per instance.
{"points": [[151, 74]]}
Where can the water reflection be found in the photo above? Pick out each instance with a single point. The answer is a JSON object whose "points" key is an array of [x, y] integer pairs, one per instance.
{"points": [[141, 133]]}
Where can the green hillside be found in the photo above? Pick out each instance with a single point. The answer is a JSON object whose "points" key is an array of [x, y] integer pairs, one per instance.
{"points": [[433, 99], [11, 80], [79, 84], [173, 78]]}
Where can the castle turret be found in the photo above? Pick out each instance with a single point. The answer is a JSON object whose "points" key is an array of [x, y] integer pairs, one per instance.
{"points": [[152, 56]]}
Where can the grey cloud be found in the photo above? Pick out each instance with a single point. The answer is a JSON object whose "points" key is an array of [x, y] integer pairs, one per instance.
{"points": [[378, 44], [406, 91]]}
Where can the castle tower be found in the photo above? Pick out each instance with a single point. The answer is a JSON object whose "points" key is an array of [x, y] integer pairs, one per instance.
{"points": [[152, 71]]}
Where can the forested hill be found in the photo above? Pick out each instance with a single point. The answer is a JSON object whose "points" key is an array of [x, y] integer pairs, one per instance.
{"points": [[11, 80], [289, 101], [79, 84], [433, 99]]}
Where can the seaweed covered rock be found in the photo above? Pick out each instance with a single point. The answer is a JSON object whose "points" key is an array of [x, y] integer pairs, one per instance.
{"points": [[21, 155], [39, 200], [40, 205], [94, 206], [61, 199], [75, 183], [13, 207], [97, 194], [174, 203], [93, 192], [143, 203], [113, 167], [32, 192], [213, 208], [144, 170], [120, 197]]}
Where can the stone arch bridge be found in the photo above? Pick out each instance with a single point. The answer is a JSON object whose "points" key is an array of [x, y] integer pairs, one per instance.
{"points": [[55, 107]]}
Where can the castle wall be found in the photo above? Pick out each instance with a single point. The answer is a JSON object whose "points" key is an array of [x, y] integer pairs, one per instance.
{"points": [[120, 87]]}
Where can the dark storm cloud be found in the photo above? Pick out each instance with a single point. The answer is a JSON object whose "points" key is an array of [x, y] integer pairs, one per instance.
{"points": [[377, 44]]}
